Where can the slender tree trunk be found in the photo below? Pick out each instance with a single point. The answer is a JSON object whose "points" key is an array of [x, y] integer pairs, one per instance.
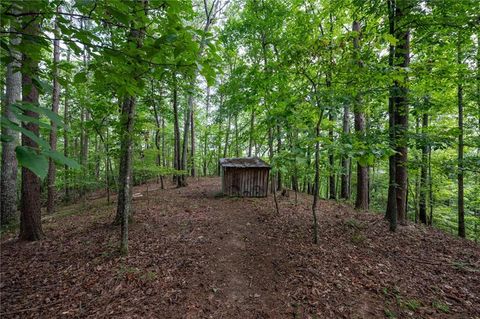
{"points": [[107, 165], [391, 211], [30, 209], [66, 120], [53, 131], [430, 187], [279, 149], [345, 178], [361, 201], [176, 133], [422, 203], [316, 181], [401, 112], [237, 147], [461, 203], [205, 140], [331, 158], [227, 137], [252, 127], [192, 142], [127, 118], [125, 184], [186, 131], [8, 186]]}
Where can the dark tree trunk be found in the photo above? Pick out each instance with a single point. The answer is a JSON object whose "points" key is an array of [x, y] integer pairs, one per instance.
{"points": [[391, 211], [331, 157], [66, 120], [53, 132], [461, 203], [125, 184], [227, 137], [30, 209], [205, 140], [422, 202], [127, 118], [252, 127], [237, 147], [279, 149], [402, 55], [186, 130], [361, 201], [345, 178], [192, 142], [316, 184], [401, 124], [176, 132], [8, 187]]}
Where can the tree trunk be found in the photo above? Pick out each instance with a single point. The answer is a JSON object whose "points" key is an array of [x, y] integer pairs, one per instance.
{"points": [[422, 202], [402, 54], [461, 203], [176, 132], [237, 146], [127, 118], [391, 211], [227, 137], [252, 127], [345, 178], [66, 120], [331, 159], [279, 149], [125, 184], [205, 140], [30, 209], [53, 131], [186, 131], [192, 141], [316, 181], [361, 201], [8, 187]]}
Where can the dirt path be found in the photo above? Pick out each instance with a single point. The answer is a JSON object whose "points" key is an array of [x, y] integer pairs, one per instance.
{"points": [[196, 255]]}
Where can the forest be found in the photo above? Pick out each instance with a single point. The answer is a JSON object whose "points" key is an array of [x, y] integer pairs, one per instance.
{"points": [[116, 114]]}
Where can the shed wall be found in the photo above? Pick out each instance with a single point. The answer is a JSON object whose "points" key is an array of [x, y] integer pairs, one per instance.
{"points": [[245, 182]]}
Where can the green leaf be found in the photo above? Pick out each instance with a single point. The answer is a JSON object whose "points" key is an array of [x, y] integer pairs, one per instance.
{"points": [[29, 158], [59, 158], [80, 77]]}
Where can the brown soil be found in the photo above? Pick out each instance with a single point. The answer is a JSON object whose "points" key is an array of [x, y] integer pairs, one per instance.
{"points": [[196, 255]]}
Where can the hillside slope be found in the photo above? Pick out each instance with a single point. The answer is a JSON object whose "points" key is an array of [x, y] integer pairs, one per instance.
{"points": [[196, 255]]}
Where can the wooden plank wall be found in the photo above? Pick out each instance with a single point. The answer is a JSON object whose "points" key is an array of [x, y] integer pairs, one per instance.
{"points": [[245, 182]]}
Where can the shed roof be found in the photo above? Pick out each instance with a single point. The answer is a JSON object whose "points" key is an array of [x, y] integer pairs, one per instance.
{"points": [[243, 162]]}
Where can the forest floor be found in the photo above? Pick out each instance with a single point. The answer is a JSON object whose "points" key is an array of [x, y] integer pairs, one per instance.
{"points": [[194, 254]]}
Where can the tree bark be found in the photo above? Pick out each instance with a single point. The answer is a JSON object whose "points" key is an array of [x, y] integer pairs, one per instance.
{"points": [[186, 129], [125, 184], [227, 137], [461, 203], [66, 120], [345, 178], [361, 201], [316, 181], [51, 191], [279, 149], [252, 127], [127, 118], [8, 186], [422, 202], [192, 141], [391, 211], [30, 209], [402, 54], [176, 132]]}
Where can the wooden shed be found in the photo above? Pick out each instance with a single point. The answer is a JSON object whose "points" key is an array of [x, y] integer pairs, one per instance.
{"points": [[244, 177]]}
